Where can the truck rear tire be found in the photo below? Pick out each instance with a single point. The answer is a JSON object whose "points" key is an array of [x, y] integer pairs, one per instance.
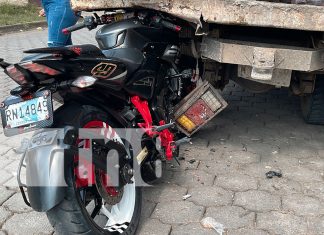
{"points": [[312, 105]]}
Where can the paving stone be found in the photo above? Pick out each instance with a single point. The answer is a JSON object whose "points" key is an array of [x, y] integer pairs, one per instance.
{"points": [[5, 176], [236, 182], [321, 153], [300, 152], [15, 142], [16, 204], [262, 149], [202, 153], [12, 184], [224, 145], [280, 186], [4, 215], [316, 225], [218, 167], [28, 223], [189, 163], [257, 200], [12, 167], [280, 223], [147, 209], [164, 193], [4, 149], [232, 217], [178, 212], [167, 177], [193, 178], [200, 139], [190, 229], [259, 133], [315, 189], [302, 205], [257, 170], [241, 157], [4, 194], [279, 160], [281, 141], [5, 162], [247, 231], [12, 155], [2, 232], [210, 196], [316, 163], [303, 174], [154, 226]]}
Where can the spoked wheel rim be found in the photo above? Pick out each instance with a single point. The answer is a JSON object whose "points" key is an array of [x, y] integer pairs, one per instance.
{"points": [[108, 218]]}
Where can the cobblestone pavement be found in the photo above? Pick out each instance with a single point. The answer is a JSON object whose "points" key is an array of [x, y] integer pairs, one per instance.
{"points": [[226, 177]]}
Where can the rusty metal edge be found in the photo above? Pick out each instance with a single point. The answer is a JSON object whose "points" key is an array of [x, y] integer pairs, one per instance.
{"points": [[234, 12]]}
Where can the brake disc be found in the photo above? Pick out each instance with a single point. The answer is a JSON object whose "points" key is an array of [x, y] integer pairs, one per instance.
{"points": [[112, 195]]}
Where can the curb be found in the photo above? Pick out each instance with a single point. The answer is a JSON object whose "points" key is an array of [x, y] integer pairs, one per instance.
{"points": [[25, 26]]}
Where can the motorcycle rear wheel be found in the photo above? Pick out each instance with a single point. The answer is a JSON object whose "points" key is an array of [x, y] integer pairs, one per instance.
{"points": [[73, 215]]}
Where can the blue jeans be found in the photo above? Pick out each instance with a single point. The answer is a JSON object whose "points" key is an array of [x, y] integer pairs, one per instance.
{"points": [[59, 15]]}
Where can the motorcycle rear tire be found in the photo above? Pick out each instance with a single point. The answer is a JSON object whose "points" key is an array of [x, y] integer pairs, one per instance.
{"points": [[71, 216]]}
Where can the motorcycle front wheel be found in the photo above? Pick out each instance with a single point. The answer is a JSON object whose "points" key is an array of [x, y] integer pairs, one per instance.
{"points": [[83, 210]]}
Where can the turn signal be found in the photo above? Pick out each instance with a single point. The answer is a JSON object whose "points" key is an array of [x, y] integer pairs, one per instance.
{"points": [[186, 123], [84, 81]]}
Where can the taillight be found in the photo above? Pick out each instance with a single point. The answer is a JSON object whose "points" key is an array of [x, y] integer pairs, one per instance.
{"points": [[198, 108], [16, 75], [39, 68]]}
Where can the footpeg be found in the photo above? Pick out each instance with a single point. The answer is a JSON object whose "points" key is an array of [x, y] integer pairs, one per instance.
{"points": [[184, 140], [163, 127]]}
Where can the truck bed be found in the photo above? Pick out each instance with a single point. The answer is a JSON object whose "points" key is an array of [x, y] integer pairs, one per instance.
{"points": [[275, 14]]}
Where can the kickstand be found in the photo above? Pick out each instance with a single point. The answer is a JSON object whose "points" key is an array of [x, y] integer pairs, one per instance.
{"points": [[177, 160]]}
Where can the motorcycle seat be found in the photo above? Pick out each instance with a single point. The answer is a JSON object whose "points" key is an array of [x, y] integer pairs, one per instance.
{"points": [[69, 51]]}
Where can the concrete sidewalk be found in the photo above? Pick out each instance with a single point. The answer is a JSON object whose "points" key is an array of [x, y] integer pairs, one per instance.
{"points": [[223, 171]]}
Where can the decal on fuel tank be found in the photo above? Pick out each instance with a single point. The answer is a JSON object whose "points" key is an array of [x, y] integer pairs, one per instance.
{"points": [[103, 70]]}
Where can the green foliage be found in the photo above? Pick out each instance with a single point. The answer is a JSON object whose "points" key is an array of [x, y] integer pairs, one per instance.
{"points": [[12, 14]]}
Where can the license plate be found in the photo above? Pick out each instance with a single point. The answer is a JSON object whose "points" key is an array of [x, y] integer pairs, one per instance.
{"points": [[20, 115]]}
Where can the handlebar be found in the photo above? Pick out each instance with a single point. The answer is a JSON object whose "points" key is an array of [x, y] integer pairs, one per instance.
{"points": [[171, 26], [88, 22], [166, 24], [91, 22], [74, 28]]}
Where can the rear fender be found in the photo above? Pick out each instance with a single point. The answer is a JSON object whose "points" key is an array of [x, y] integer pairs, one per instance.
{"points": [[45, 164]]}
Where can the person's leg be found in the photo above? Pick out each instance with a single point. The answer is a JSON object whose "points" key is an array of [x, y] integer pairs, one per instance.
{"points": [[59, 16]]}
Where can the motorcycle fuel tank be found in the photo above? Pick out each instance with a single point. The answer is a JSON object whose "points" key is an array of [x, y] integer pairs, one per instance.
{"points": [[132, 33]]}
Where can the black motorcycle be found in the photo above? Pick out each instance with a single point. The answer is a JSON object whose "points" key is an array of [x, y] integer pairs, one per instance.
{"points": [[137, 79]]}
